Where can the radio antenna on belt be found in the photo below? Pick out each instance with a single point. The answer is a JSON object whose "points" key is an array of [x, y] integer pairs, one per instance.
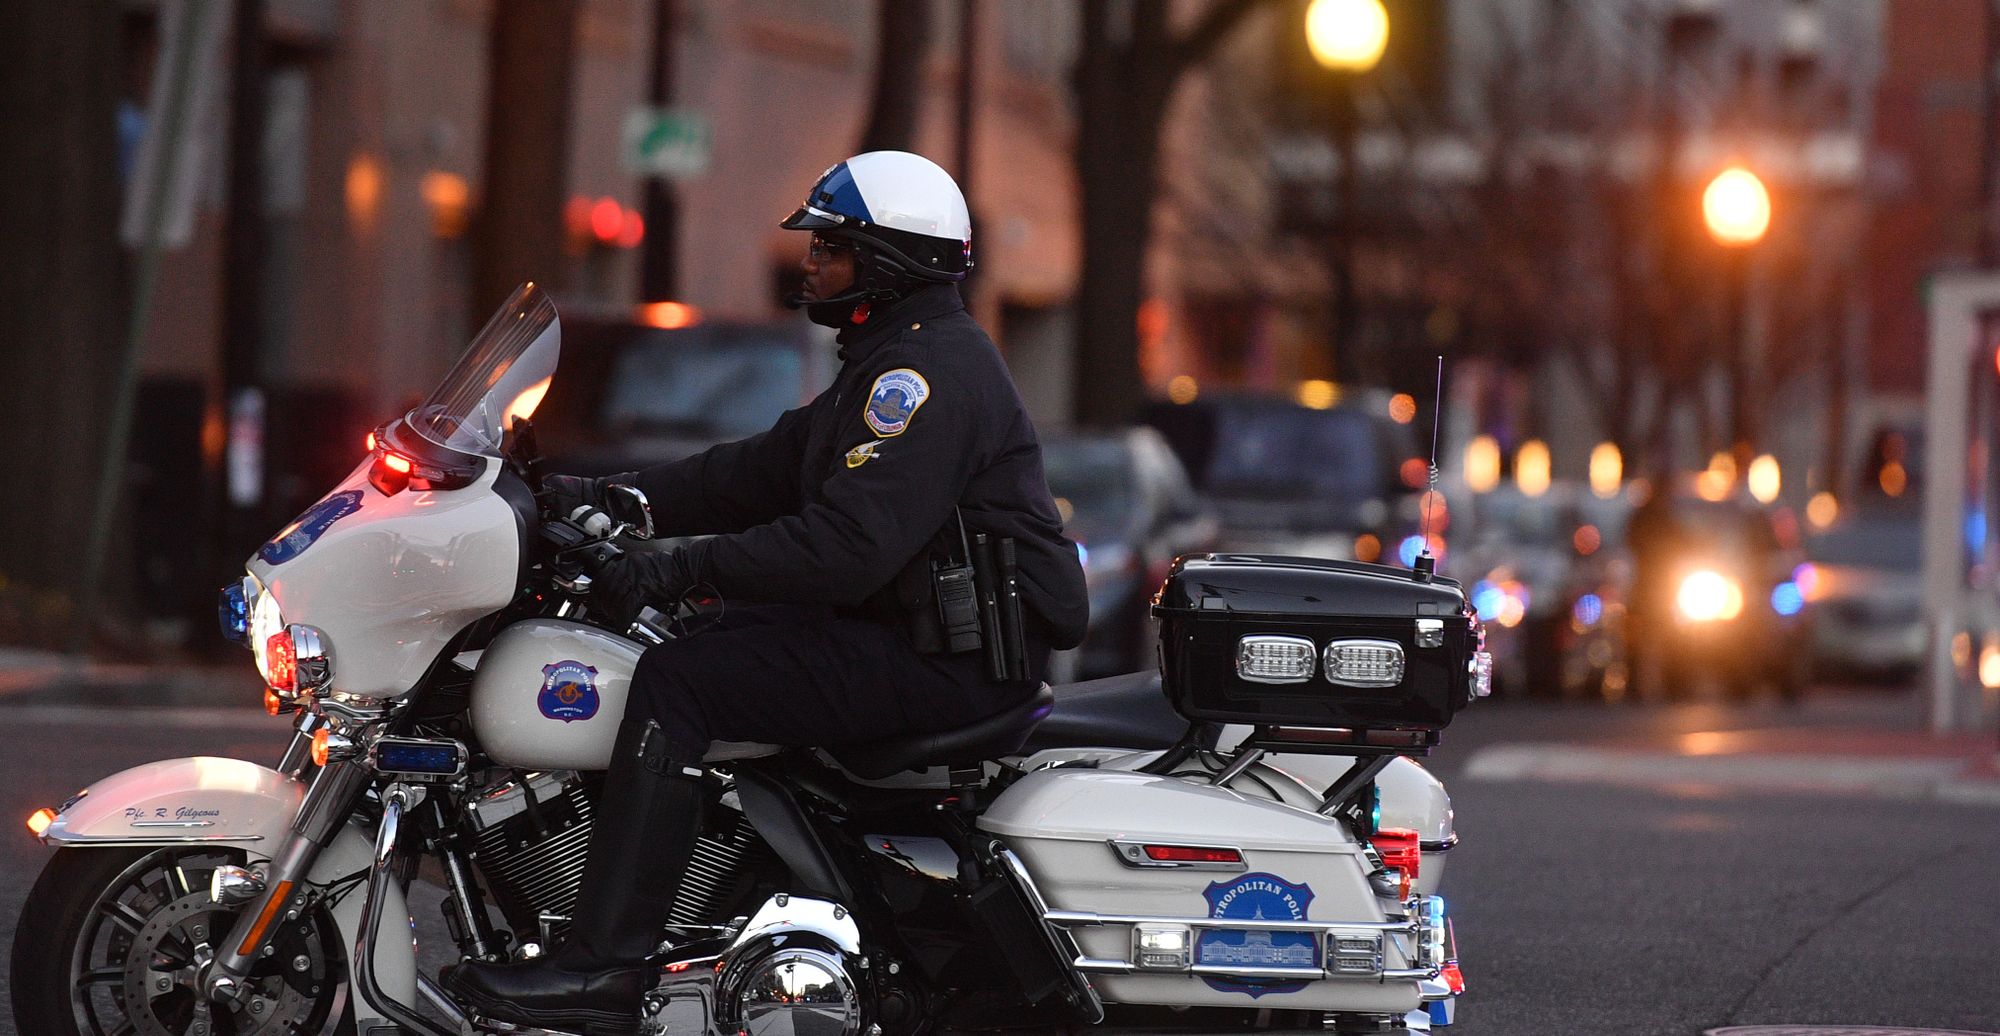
{"points": [[1426, 565]]}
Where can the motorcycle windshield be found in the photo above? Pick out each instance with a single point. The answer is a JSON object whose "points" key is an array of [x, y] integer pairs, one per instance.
{"points": [[502, 375]]}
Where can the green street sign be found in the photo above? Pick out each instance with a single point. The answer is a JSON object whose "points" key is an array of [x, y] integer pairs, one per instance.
{"points": [[670, 142]]}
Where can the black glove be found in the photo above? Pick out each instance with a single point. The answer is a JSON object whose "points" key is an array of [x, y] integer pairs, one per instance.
{"points": [[565, 493], [633, 580]]}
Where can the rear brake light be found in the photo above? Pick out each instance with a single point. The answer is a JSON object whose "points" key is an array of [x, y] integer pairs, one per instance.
{"points": [[282, 661], [1192, 854], [396, 462], [1402, 852]]}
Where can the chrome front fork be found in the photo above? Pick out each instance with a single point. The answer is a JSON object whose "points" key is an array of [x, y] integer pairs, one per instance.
{"points": [[327, 804], [300, 749]]}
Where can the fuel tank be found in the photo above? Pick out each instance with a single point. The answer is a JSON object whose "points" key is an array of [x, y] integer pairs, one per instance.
{"points": [[549, 694]]}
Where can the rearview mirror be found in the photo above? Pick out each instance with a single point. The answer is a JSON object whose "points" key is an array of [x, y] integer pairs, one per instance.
{"points": [[627, 506]]}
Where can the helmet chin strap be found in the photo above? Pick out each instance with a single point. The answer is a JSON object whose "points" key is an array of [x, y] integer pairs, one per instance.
{"points": [[879, 282]]}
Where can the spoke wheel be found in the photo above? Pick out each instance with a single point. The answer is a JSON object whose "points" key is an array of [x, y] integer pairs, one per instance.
{"points": [[114, 942]]}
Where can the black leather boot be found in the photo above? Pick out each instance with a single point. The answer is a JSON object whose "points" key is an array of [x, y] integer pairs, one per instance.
{"points": [[641, 835]]}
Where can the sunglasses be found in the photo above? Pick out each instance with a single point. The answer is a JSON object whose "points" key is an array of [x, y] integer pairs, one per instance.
{"points": [[823, 248]]}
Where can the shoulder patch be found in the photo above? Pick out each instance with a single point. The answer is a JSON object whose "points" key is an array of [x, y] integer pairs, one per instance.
{"points": [[894, 399]]}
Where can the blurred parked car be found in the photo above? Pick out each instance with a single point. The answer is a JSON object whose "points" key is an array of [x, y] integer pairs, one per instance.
{"points": [[1127, 503], [1865, 582], [1290, 479], [1715, 597], [632, 394]]}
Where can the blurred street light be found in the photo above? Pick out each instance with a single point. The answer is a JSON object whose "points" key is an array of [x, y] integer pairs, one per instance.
{"points": [[1607, 469], [1482, 464], [1317, 393], [1765, 478], [1531, 468], [1347, 35], [1716, 482], [1736, 207], [1822, 509]]}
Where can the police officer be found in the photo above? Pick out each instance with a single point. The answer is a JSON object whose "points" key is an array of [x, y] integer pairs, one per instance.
{"points": [[836, 514]]}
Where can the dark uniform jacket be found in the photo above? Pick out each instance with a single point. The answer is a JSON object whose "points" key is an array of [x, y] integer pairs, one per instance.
{"points": [[850, 491]]}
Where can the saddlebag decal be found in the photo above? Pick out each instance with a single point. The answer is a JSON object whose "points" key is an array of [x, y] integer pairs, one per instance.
{"points": [[1258, 897], [306, 530], [569, 691]]}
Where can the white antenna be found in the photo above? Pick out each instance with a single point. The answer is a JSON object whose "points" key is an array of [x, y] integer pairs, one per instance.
{"points": [[1426, 565]]}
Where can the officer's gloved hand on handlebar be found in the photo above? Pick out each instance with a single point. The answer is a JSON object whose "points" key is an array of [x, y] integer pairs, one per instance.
{"points": [[631, 581], [565, 493]]}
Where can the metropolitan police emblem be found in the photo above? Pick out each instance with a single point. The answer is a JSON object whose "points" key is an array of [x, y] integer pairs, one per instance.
{"points": [[309, 527], [894, 398], [1258, 897], [569, 691]]}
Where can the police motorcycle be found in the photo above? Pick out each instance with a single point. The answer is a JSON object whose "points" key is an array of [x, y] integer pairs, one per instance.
{"points": [[1241, 841]]}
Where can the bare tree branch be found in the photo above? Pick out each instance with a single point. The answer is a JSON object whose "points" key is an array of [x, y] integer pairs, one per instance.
{"points": [[1201, 39]]}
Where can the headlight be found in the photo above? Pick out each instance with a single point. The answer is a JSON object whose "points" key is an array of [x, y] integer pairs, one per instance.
{"points": [[1709, 596], [265, 623]]}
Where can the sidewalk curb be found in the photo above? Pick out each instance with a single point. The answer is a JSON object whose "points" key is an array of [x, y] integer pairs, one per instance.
{"points": [[1956, 779]]}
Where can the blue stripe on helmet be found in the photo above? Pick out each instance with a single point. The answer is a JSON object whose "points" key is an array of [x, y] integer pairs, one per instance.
{"points": [[837, 192]]}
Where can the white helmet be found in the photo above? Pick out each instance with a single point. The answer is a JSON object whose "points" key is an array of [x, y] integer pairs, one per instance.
{"points": [[901, 210]]}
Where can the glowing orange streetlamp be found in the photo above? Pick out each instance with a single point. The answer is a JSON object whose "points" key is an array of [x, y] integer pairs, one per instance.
{"points": [[1736, 207], [1347, 35]]}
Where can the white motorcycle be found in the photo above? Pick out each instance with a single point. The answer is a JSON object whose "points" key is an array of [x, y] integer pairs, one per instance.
{"points": [[1242, 843]]}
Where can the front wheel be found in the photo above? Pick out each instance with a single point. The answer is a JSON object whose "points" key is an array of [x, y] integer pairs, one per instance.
{"points": [[114, 940]]}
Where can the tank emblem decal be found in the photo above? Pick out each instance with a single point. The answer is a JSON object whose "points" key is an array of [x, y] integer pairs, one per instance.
{"points": [[569, 691], [306, 530], [1258, 897]]}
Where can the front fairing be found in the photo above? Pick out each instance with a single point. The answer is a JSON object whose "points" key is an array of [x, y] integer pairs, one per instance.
{"points": [[419, 541], [389, 580]]}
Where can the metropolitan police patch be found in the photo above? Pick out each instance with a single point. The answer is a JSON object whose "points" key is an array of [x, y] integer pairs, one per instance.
{"points": [[569, 691], [894, 399], [1258, 897]]}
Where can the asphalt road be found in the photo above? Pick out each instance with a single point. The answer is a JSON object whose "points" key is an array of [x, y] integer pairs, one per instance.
{"points": [[1581, 906]]}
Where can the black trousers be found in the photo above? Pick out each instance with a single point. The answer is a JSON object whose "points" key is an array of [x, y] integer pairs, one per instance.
{"points": [[809, 676]]}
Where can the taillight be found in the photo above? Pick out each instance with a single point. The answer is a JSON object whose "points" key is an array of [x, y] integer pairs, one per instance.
{"points": [[1192, 854], [282, 662], [1402, 852]]}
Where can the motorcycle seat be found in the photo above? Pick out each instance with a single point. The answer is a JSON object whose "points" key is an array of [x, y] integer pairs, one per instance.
{"points": [[1129, 711], [999, 734]]}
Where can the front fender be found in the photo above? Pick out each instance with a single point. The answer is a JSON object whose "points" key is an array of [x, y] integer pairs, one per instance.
{"points": [[213, 801], [200, 799]]}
